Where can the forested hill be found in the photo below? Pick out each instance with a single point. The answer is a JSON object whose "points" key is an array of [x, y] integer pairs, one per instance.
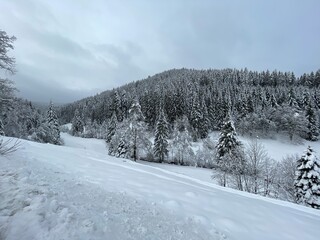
{"points": [[264, 102]]}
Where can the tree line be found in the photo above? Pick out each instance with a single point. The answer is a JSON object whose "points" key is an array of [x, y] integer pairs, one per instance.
{"points": [[261, 103]]}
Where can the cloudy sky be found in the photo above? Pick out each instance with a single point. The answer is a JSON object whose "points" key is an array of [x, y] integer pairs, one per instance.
{"points": [[69, 49]]}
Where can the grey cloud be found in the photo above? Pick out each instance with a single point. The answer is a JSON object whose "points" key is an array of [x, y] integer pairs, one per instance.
{"points": [[71, 48], [42, 92]]}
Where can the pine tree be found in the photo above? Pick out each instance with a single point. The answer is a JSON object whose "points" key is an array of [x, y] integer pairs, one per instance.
{"points": [[228, 141], [53, 125], [273, 101], [122, 150], [77, 124], [292, 99], [313, 131], [204, 126], [111, 127], [136, 129], [196, 118], [161, 136], [181, 143], [307, 180], [229, 152]]}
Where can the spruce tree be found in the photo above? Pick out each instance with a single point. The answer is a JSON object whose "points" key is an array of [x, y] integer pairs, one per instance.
{"points": [[122, 150], [77, 124], [273, 101], [181, 142], [313, 131], [53, 125], [136, 129], [199, 118], [292, 99], [307, 180], [111, 127], [230, 157], [161, 136], [228, 142], [204, 127], [196, 118]]}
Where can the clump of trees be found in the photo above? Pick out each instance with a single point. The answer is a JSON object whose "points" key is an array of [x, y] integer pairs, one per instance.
{"points": [[49, 128], [295, 178], [128, 138]]}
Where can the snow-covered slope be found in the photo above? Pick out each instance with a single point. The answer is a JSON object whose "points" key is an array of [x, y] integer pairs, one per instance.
{"points": [[77, 191]]}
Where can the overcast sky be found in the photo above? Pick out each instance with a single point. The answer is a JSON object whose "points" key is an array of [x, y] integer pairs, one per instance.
{"points": [[70, 49]]}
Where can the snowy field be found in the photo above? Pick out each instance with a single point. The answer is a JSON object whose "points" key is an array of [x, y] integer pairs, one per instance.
{"points": [[77, 191]]}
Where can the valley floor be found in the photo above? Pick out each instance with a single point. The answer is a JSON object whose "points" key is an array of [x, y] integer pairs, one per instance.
{"points": [[77, 191]]}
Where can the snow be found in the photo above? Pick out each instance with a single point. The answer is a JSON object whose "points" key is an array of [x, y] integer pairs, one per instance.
{"points": [[77, 191]]}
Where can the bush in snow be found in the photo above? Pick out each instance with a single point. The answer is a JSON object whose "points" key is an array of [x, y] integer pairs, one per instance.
{"points": [[9, 146]]}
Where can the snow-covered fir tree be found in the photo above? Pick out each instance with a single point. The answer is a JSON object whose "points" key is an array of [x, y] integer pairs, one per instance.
{"points": [[77, 124], [312, 125], [180, 147], [136, 129], [53, 125], [229, 151], [48, 130], [307, 180], [111, 129], [204, 127], [161, 138], [228, 142], [130, 135], [122, 149]]}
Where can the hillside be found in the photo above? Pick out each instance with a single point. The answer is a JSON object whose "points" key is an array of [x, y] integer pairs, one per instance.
{"points": [[76, 191], [254, 98], [262, 104]]}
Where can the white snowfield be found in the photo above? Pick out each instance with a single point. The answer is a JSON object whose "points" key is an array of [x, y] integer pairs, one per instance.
{"points": [[77, 191]]}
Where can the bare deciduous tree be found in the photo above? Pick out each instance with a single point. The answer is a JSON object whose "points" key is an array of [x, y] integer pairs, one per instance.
{"points": [[256, 157], [286, 176], [6, 44], [7, 89]]}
